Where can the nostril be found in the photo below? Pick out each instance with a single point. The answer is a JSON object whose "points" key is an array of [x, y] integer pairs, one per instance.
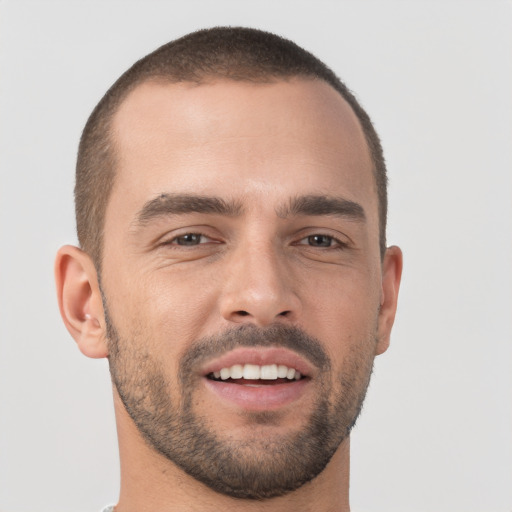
{"points": [[242, 313]]}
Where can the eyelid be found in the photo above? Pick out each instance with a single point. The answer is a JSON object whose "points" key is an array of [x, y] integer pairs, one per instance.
{"points": [[340, 239], [167, 234], [173, 240], [336, 242]]}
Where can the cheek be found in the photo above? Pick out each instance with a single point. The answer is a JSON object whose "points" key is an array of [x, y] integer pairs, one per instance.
{"points": [[169, 308], [342, 311]]}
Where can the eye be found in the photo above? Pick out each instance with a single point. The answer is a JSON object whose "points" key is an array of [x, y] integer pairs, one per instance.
{"points": [[319, 241], [189, 239]]}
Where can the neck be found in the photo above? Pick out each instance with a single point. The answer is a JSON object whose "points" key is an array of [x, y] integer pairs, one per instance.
{"points": [[151, 482]]}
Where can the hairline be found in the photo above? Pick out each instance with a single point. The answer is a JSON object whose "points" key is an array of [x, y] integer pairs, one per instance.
{"points": [[113, 105]]}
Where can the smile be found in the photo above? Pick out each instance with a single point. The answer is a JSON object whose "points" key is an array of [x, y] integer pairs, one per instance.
{"points": [[254, 372], [258, 379]]}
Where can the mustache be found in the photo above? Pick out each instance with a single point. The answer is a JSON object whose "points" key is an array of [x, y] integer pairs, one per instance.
{"points": [[278, 335]]}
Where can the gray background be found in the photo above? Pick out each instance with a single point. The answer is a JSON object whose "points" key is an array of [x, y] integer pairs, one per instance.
{"points": [[436, 77]]}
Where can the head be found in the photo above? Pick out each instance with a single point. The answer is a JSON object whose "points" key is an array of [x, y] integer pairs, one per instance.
{"points": [[232, 193], [237, 54]]}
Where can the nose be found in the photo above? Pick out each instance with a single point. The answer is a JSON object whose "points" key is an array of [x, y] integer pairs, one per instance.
{"points": [[259, 287]]}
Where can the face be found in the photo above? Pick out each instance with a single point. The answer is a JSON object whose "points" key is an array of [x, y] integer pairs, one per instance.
{"points": [[242, 278]]}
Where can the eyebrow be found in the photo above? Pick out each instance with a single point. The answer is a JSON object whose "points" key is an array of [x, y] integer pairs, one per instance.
{"points": [[317, 205], [176, 204]]}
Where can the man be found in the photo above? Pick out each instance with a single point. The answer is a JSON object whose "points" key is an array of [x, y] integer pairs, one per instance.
{"points": [[231, 211]]}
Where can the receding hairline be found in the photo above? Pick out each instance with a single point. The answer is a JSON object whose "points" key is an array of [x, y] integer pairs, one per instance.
{"points": [[346, 113], [228, 53], [346, 110], [219, 79]]}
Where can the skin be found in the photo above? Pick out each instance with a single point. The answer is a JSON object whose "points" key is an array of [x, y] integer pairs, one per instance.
{"points": [[260, 145]]}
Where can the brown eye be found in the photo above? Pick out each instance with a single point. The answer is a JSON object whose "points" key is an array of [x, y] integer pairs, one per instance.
{"points": [[189, 239], [320, 240]]}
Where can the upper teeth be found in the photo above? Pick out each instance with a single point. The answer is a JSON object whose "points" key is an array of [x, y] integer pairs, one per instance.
{"points": [[254, 371]]}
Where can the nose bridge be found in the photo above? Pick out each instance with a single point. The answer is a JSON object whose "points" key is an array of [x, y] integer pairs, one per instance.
{"points": [[259, 287]]}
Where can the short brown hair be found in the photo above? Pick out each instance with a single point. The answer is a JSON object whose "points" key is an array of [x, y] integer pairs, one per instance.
{"points": [[240, 54]]}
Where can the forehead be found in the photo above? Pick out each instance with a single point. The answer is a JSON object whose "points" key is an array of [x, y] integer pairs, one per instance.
{"points": [[238, 138]]}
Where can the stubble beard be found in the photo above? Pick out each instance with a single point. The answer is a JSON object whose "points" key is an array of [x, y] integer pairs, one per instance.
{"points": [[266, 466]]}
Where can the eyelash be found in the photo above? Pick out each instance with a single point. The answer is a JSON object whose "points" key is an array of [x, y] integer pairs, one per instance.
{"points": [[334, 243], [174, 240]]}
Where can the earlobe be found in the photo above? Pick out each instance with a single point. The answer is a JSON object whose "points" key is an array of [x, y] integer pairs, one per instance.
{"points": [[80, 301], [391, 276]]}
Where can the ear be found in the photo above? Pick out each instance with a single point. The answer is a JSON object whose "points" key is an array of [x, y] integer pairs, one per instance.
{"points": [[391, 275], [80, 303]]}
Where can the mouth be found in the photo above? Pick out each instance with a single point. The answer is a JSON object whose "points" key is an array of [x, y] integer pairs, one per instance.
{"points": [[256, 375], [258, 379]]}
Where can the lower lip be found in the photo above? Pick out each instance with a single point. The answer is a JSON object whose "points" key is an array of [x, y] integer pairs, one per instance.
{"points": [[258, 398]]}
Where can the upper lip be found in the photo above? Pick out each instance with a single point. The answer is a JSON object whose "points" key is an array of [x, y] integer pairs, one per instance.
{"points": [[260, 356]]}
